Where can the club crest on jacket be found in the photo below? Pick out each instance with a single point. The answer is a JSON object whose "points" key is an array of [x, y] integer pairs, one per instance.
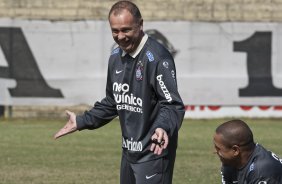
{"points": [[139, 71]]}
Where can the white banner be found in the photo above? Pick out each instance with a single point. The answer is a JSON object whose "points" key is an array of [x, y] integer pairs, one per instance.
{"points": [[65, 63], [199, 112]]}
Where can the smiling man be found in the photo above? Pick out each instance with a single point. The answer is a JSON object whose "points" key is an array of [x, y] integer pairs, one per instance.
{"points": [[142, 90], [244, 161], [127, 29]]}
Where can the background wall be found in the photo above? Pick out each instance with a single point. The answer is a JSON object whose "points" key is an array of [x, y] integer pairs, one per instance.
{"points": [[191, 10], [157, 10]]}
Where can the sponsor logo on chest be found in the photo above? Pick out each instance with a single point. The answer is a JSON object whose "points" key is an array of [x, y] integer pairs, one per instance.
{"points": [[125, 100]]}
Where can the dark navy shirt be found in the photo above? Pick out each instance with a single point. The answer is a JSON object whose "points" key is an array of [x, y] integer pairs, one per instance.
{"points": [[264, 167], [142, 91]]}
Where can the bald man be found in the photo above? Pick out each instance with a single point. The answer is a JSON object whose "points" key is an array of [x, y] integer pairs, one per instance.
{"points": [[244, 161]]}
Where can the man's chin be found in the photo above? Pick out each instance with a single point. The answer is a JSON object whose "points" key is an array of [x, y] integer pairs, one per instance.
{"points": [[223, 161], [226, 163], [127, 49]]}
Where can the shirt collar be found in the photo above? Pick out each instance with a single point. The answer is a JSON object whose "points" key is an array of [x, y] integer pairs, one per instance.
{"points": [[139, 48]]}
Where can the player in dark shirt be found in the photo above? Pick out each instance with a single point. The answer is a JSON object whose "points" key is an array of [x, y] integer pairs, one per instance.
{"points": [[142, 91], [243, 161]]}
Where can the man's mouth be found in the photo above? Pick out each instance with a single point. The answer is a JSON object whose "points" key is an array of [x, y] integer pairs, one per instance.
{"points": [[124, 44]]}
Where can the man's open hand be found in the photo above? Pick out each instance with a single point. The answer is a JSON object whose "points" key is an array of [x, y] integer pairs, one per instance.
{"points": [[69, 127]]}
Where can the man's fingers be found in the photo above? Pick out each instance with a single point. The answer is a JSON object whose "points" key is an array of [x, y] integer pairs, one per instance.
{"points": [[64, 131], [58, 135], [69, 113], [160, 136], [153, 147], [158, 150], [165, 138], [159, 141], [61, 132]]}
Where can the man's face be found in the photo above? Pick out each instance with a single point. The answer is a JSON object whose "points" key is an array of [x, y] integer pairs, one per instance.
{"points": [[226, 155], [126, 31]]}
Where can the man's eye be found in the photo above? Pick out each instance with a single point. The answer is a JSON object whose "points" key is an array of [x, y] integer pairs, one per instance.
{"points": [[126, 30], [114, 31]]}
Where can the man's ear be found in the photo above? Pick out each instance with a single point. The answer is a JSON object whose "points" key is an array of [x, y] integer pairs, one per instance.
{"points": [[141, 24], [236, 150]]}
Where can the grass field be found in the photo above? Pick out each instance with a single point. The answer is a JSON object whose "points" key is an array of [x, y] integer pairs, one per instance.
{"points": [[29, 155]]}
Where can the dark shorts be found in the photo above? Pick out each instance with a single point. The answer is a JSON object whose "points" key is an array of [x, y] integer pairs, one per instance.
{"points": [[158, 171]]}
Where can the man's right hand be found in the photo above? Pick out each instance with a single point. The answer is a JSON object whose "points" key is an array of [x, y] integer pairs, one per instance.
{"points": [[69, 127]]}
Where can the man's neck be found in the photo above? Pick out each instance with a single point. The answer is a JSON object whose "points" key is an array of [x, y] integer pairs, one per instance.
{"points": [[245, 157]]}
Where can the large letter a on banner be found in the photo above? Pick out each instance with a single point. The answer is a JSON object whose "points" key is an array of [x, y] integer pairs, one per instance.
{"points": [[22, 66]]}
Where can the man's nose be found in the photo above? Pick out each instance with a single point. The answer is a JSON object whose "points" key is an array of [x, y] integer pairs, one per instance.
{"points": [[121, 36], [215, 151]]}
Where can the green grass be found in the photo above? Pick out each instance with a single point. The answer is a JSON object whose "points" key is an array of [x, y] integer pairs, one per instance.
{"points": [[29, 155]]}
